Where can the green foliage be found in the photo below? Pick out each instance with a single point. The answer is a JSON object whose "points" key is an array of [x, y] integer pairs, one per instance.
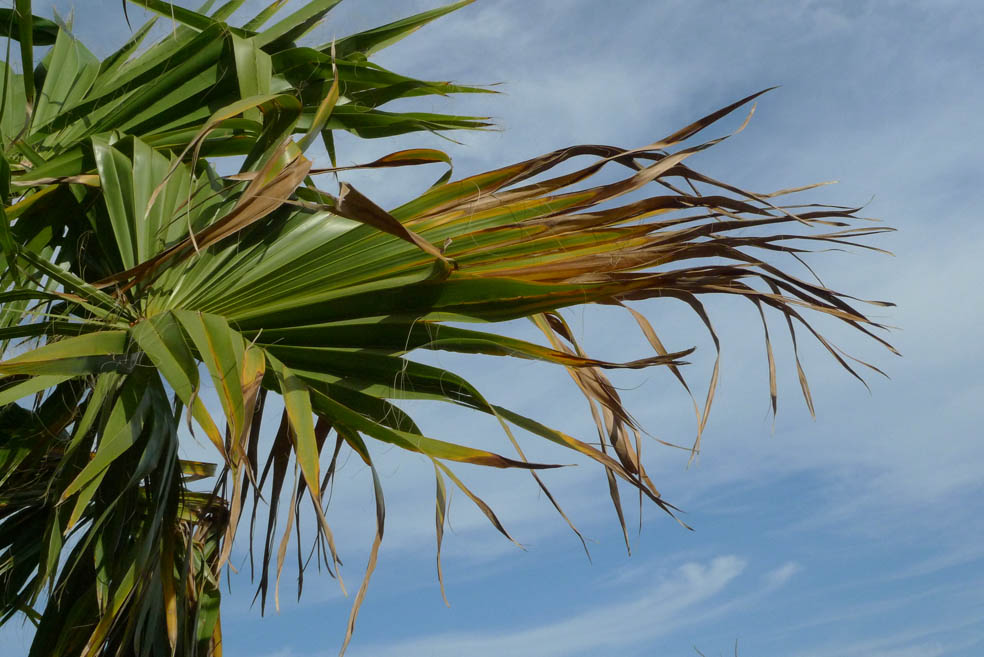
{"points": [[131, 266]]}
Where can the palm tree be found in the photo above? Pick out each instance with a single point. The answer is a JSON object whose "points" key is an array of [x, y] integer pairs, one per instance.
{"points": [[135, 263]]}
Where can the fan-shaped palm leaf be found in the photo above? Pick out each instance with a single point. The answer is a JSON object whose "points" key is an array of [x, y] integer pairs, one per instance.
{"points": [[132, 266]]}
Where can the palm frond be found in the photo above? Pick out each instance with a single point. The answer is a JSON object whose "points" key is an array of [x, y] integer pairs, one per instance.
{"points": [[134, 263]]}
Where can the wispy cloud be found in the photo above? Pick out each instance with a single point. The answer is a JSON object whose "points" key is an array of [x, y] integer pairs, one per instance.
{"points": [[782, 574], [922, 640], [658, 611]]}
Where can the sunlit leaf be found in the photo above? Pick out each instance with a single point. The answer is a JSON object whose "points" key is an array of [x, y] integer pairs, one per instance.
{"points": [[134, 259]]}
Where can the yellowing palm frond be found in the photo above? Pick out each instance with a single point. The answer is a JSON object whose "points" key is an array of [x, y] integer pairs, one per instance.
{"points": [[133, 267]]}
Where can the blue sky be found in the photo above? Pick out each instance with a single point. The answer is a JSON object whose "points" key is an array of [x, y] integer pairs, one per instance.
{"points": [[858, 533]]}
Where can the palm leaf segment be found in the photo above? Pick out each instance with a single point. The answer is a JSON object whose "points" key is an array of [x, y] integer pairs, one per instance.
{"points": [[132, 268]]}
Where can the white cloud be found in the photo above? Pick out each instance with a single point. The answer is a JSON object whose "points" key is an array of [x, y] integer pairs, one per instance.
{"points": [[658, 611], [782, 574]]}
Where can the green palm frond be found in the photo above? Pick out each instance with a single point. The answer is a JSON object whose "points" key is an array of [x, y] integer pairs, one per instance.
{"points": [[134, 265]]}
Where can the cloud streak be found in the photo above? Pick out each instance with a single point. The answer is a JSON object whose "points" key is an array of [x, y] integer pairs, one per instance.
{"points": [[663, 608]]}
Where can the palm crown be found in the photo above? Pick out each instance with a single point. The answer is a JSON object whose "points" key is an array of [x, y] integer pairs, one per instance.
{"points": [[132, 267]]}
